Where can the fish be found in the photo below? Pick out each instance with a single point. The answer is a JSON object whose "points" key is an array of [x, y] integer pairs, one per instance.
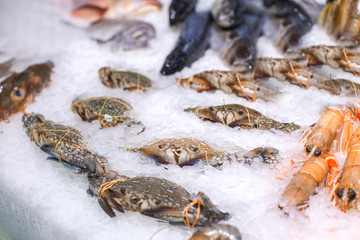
{"points": [[192, 44], [227, 14], [180, 9], [21, 88], [238, 46], [295, 22]]}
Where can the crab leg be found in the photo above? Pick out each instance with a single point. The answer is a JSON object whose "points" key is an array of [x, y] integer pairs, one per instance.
{"points": [[348, 63], [296, 77]]}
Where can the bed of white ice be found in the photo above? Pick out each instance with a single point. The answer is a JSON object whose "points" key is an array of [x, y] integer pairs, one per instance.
{"points": [[40, 199]]}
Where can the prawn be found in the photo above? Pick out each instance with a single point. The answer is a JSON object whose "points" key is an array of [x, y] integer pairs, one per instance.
{"points": [[304, 183], [320, 138]]}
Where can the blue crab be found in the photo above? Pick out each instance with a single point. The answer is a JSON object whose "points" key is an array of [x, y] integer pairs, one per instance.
{"points": [[236, 115], [154, 197], [109, 111], [228, 81], [182, 152], [126, 80], [62, 143], [188, 151]]}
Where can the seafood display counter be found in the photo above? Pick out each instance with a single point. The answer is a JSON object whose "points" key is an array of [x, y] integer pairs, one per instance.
{"points": [[147, 134]]}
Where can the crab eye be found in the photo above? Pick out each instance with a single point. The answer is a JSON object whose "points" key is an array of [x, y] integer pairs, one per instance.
{"points": [[134, 200], [240, 112], [157, 201], [161, 146], [211, 108], [194, 148]]}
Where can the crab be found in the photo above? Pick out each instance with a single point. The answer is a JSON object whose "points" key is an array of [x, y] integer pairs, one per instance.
{"points": [[188, 151], [63, 144], [236, 115], [182, 152], [154, 197], [109, 111], [126, 80]]}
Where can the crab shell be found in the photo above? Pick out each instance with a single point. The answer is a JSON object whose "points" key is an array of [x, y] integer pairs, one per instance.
{"points": [[109, 111], [126, 80], [158, 198], [183, 151]]}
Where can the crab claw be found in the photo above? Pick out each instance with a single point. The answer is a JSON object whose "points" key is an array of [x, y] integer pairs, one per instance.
{"points": [[104, 204], [210, 209], [267, 154], [350, 62], [93, 164], [196, 83]]}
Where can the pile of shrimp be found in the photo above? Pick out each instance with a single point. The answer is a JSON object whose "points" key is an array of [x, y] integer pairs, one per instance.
{"points": [[333, 135]]}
